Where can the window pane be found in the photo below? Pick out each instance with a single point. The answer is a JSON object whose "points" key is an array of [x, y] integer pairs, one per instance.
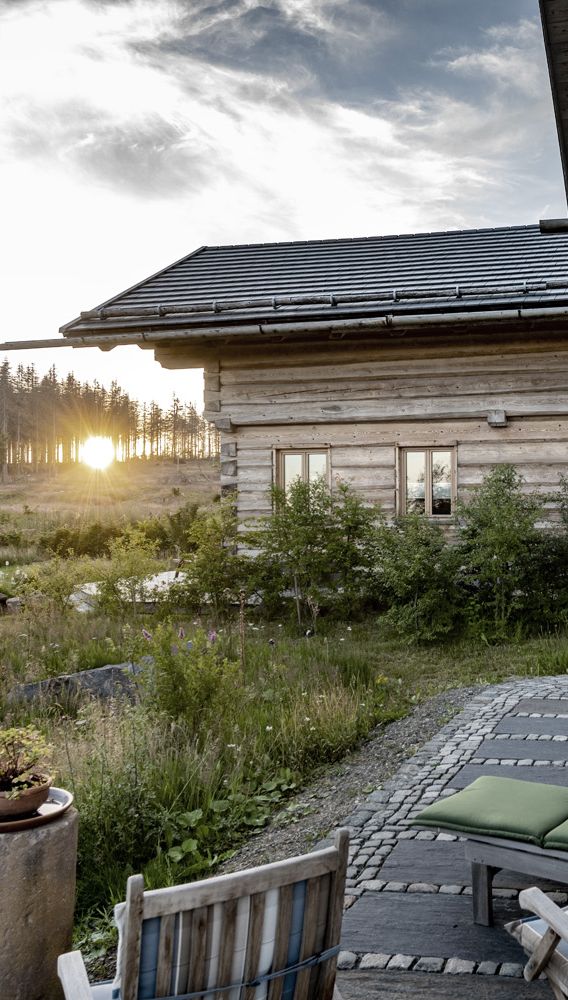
{"points": [[415, 476], [441, 482], [292, 469], [317, 466]]}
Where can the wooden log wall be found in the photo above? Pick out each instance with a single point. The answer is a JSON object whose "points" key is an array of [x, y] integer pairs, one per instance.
{"points": [[366, 405]]}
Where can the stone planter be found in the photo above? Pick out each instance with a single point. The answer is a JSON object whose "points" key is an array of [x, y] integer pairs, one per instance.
{"points": [[37, 900]]}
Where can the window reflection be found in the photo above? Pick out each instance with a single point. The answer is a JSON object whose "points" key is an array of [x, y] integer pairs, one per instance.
{"points": [[415, 482], [441, 483], [292, 469], [317, 466]]}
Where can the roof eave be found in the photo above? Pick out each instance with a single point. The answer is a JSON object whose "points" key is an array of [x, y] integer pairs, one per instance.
{"points": [[554, 25]]}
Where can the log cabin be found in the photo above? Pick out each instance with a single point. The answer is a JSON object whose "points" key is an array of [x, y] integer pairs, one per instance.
{"points": [[407, 366]]}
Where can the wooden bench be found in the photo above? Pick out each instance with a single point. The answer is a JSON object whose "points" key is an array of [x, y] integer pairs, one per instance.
{"points": [[276, 927]]}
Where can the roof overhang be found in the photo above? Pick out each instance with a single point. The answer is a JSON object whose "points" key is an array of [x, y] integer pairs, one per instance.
{"points": [[554, 15]]}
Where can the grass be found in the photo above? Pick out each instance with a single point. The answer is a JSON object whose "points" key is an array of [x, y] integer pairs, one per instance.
{"points": [[37, 504], [233, 739]]}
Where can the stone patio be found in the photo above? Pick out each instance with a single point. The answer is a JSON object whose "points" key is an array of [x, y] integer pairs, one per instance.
{"points": [[408, 930]]}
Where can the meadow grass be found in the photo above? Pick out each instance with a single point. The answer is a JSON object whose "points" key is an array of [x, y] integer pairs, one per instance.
{"points": [[173, 795]]}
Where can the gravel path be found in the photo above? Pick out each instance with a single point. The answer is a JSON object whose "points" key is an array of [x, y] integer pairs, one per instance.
{"points": [[336, 789]]}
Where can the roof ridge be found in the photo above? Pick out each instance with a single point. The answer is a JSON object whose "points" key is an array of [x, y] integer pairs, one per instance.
{"points": [[369, 239]]}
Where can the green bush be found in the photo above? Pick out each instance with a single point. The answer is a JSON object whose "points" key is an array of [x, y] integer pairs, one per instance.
{"points": [[186, 678], [85, 540], [414, 575], [499, 542], [316, 545], [214, 572], [122, 577]]}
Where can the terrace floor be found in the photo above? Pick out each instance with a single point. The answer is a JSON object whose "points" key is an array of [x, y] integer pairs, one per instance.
{"points": [[408, 929]]}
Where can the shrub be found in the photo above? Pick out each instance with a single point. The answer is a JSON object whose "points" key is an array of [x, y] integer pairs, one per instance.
{"points": [[122, 583], [317, 545], [87, 540], [54, 581], [499, 540], [414, 575], [215, 572], [186, 678]]}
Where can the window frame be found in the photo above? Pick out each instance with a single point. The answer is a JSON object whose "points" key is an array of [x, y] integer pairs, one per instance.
{"points": [[279, 457], [428, 450]]}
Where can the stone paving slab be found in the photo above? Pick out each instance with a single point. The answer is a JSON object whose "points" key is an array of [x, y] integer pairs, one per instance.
{"points": [[543, 706], [545, 775], [361, 985], [523, 749], [409, 908], [432, 925], [523, 724], [443, 863]]}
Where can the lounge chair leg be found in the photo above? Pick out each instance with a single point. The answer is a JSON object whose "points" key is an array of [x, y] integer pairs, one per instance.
{"points": [[482, 885]]}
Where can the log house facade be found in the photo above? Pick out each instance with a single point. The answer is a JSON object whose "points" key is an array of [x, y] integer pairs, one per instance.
{"points": [[407, 366]]}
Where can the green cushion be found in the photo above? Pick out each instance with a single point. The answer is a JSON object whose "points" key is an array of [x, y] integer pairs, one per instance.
{"points": [[557, 839], [501, 807]]}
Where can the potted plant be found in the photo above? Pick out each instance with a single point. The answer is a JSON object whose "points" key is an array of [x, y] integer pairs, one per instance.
{"points": [[24, 776]]}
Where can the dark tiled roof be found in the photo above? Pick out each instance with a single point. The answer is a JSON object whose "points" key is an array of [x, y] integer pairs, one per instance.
{"points": [[413, 274]]}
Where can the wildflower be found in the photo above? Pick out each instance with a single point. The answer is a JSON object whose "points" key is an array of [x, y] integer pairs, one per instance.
{"points": [[147, 635], [212, 635], [280, 626], [181, 632], [342, 640], [231, 746], [304, 694], [268, 729], [349, 629], [307, 718], [312, 729], [189, 644], [309, 633], [271, 642]]}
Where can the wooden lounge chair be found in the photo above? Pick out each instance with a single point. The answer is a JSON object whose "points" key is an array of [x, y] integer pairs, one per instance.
{"points": [[545, 938], [505, 823], [269, 933]]}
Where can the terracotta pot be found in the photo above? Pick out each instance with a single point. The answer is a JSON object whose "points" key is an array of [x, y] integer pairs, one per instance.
{"points": [[28, 801]]}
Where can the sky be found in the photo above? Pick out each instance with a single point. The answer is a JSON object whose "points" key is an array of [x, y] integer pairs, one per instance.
{"points": [[134, 131]]}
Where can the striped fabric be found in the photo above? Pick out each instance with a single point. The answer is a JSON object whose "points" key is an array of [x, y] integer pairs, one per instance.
{"points": [[182, 946]]}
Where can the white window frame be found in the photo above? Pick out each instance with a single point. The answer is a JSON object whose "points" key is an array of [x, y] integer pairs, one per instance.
{"points": [[428, 450]]}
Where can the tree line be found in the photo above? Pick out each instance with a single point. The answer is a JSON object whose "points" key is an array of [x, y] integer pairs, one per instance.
{"points": [[45, 420]]}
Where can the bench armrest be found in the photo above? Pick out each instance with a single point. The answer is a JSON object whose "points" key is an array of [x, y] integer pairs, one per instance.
{"points": [[73, 975], [535, 900]]}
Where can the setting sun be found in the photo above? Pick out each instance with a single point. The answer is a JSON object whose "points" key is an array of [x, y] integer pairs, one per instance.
{"points": [[98, 452]]}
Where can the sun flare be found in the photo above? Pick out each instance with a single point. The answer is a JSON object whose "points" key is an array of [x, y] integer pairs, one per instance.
{"points": [[98, 452]]}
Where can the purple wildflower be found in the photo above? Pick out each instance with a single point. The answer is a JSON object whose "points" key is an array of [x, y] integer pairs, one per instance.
{"points": [[212, 635], [181, 632], [147, 635]]}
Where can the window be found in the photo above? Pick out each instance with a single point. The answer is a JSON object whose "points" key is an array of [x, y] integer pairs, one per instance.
{"points": [[301, 463], [427, 481]]}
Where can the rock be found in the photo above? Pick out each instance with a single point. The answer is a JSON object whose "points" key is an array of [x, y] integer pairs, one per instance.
{"points": [[14, 605], [114, 680]]}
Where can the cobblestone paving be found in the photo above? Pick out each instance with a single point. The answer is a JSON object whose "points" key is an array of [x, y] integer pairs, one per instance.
{"points": [[479, 737]]}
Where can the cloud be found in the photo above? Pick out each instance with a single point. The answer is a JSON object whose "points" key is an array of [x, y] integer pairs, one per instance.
{"points": [[512, 59]]}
